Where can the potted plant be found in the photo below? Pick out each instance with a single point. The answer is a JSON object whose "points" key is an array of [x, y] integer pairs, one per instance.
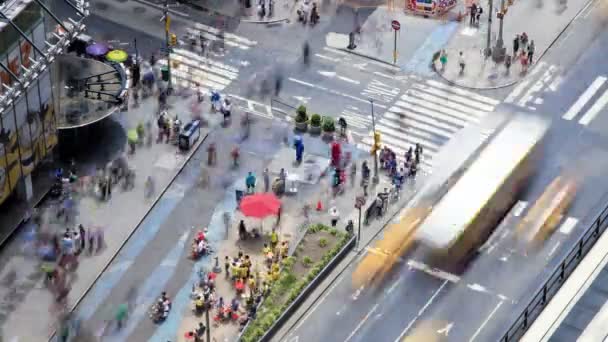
{"points": [[315, 124], [329, 127], [301, 119]]}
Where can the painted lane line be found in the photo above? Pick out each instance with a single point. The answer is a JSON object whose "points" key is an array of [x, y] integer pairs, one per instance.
{"points": [[584, 98], [520, 206], [393, 287], [398, 113], [556, 83], [371, 312], [428, 303], [486, 321], [439, 109], [568, 225], [433, 271], [595, 109], [334, 92], [553, 250], [412, 125], [327, 57], [517, 91], [228, 35]]}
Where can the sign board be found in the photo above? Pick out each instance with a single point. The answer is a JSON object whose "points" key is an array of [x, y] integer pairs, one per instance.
{"points": [[359, 202], [396, 25]]}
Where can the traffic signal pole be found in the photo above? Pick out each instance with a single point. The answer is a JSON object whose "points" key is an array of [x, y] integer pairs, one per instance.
{"points": [[168, 44], [376, 178]]}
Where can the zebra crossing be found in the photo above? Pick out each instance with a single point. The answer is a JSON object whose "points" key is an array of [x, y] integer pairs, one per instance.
{"points": [[428, 113], [582, 102], [191, 67], [529, 92]]}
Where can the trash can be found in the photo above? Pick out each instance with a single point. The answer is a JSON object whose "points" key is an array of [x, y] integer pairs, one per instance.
{"points": [[189, 135]]}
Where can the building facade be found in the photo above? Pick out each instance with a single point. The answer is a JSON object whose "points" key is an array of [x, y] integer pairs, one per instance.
{"points": [[28, 131]]}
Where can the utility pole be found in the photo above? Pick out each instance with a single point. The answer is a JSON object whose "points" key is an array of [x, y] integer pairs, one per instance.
{"points": [[167, 20], [488, 51], [499, 50], [376, 178]]}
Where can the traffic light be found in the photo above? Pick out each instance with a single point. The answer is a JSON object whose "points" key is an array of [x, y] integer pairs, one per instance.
{"points": [[173, 39], [376, 145]]}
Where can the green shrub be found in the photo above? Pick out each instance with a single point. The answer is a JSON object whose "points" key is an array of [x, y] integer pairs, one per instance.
{"points": [[289, 262], [315, 228], [307, 261], [322, 242], [301, 115], [317, 269], [315, 120], [328, 124], [333, 231]]}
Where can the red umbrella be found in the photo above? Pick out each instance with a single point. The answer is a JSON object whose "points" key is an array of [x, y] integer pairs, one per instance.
{"points": [[260, 205]]}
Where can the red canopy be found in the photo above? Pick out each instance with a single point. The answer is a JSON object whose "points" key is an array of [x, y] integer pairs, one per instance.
{"points": [[260, 205]]}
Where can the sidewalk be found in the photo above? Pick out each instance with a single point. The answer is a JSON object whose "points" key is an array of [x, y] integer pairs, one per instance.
{"points": [[521, 17], [118, 218]]}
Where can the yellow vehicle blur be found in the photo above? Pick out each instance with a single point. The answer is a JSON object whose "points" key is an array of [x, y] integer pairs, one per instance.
{"points": [[426, 331], [546, 213], [397, 239]]}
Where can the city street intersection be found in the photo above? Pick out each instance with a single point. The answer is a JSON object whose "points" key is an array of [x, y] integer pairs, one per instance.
{"points": [[408, 103]]}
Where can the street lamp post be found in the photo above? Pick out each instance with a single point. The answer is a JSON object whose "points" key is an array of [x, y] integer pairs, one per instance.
{"points": [[488, 51], [168, 43], [375, 178], [499, 50]]}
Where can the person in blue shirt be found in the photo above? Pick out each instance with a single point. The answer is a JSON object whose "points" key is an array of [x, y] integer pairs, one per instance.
{"points": [[250, 182]]}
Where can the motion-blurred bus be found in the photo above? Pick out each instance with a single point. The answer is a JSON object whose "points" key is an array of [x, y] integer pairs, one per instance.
{"points": [[427, 331], [546, 213], [478, 201]]}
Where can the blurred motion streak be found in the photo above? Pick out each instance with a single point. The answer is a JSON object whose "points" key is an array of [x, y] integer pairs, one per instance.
{"points": [[546, 213], [426, 331]]}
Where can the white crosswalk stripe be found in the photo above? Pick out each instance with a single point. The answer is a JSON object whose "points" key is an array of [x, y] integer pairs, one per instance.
{"points": [[541, 78], [213, 34], [190, 68], [428, 113]]}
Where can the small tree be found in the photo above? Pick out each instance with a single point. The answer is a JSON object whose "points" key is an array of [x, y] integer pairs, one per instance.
{"points": [[301, 115], [315, 120], [329, 124]]}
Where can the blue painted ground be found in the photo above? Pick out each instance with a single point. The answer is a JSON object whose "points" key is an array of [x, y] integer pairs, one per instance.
{"points": [[419, 63]]}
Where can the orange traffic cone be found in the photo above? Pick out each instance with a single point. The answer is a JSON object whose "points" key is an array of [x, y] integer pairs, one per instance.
{"points": [[319, 205]]}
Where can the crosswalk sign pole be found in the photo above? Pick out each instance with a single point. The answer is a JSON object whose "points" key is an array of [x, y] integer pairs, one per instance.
{"points": [[376, 178], [168, 44]]}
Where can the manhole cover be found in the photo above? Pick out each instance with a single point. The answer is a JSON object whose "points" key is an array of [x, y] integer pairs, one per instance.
{"points": [[137, 9], [102, 6]]}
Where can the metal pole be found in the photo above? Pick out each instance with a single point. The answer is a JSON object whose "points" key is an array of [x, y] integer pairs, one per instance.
{"points": [[488, 51], [375, 178], [359, 232], [168, 45], [395, 49], [136, 52], [499, 50], [208, 330]]}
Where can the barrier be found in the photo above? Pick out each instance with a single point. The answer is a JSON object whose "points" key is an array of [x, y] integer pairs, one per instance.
{"points": [[557, 278]]}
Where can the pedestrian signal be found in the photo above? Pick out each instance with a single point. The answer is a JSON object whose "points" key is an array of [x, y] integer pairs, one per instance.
{"points": [[173, 39]]}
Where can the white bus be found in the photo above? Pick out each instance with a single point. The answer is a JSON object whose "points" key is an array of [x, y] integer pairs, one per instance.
{"points": [[475, 204]]}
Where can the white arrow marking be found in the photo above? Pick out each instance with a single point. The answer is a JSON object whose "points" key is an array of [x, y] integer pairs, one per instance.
{"points": [[446, 330]]}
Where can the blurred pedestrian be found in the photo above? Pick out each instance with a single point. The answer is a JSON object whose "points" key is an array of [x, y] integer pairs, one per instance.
{"points": [[531, 48], [443, 59], [461, 62], [266, 180], [515, 45]]}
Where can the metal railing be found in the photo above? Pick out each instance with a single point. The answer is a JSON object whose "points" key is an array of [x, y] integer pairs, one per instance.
{"points": [[557, 278]]}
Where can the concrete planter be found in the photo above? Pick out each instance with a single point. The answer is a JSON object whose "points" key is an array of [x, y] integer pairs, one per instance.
{"points": [[301, 126], [316, 130], [328, 136]]}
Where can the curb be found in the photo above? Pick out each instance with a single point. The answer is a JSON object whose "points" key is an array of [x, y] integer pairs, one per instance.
{"points": [[160, 195], [578, 14], [267, 22], [396, 67]]}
